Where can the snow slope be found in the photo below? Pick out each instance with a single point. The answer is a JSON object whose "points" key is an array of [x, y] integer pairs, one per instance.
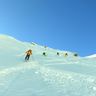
{"points": [[92, 56], [49, 75]]}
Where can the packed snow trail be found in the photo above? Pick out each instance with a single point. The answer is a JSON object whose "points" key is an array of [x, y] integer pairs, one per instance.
{"points": [[44, 76]]}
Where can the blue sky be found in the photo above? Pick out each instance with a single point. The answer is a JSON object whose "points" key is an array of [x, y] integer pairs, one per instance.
{"points": [[60, 24]]}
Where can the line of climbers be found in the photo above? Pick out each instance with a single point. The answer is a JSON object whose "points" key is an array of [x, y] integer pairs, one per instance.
{"points": [[29, 53]]}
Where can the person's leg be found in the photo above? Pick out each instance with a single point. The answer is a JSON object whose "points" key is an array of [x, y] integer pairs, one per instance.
{"points": [[28, 57]]}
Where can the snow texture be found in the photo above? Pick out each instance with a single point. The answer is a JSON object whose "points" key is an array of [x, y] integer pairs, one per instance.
{"points": [[50, 75]]}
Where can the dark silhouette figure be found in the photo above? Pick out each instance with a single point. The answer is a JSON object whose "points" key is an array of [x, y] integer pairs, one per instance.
{"points": [[58, 53], [44, 54], [75, 54], [66, 54]]}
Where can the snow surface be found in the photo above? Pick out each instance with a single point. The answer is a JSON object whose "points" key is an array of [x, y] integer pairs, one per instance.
{"points": [[92, 56], [49, 75]]}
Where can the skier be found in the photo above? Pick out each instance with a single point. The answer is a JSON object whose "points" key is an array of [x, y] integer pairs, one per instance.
{"points": [[58, 53], [66, 54], [28, 53], [75, 54], [44, 54]]}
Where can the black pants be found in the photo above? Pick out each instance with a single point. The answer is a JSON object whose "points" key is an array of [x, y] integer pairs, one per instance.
{"points": [[27, 57]]}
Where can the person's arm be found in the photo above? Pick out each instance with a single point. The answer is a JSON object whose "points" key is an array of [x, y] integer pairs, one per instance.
{"points": [[26, 52], [31, 53]]}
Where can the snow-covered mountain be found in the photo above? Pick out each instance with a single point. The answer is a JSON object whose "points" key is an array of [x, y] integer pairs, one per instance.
{"points": [[50, 75], [92, 56]]}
